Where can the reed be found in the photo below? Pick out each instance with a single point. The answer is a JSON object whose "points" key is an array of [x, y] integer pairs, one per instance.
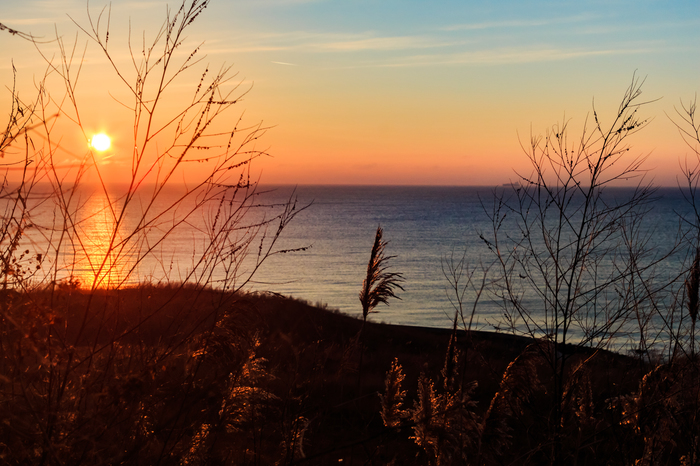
{"points": [[379, 284]]}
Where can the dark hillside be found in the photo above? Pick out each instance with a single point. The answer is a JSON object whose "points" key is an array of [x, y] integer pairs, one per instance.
{"points": [[194, 376]]}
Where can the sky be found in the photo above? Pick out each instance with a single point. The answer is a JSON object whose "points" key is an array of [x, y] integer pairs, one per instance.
{"points": [[398, 92]]}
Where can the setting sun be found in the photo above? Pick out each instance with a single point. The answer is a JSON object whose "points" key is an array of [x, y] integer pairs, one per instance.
{"points": [[100, 142]]}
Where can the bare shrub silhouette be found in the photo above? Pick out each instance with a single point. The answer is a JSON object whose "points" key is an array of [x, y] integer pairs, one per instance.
{"points": [[462, 279], [578, 280], [576, 272], [95, 367]]}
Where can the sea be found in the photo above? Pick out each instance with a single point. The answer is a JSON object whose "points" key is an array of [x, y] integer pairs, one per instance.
{"points": [[423, 226], [430, 232]]}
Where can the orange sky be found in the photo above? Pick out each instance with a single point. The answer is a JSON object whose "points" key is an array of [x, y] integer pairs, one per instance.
{"points": [[358, 93]]}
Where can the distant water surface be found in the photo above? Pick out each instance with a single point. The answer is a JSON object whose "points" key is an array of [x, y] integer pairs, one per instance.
{"points": [[424, 226]]}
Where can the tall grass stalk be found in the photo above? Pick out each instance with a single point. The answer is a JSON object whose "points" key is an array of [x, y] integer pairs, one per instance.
{"points": [[378, 286]]}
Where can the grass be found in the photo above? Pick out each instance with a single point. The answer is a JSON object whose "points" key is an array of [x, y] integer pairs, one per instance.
{"points": [[168, 375]]}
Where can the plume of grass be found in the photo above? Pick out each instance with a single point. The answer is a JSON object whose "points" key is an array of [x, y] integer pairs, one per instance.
{"points": [[664, 414], [450, 371], [578, 396], [424, 416], [196, 454], [379, 284], [444, 423], [392, 399], [653, 414], [246, 399], [294, 442], [517, 385]]}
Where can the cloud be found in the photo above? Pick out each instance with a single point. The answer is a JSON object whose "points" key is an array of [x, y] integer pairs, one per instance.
{"points": [[243, 49], [17, 23], [330, 42], [258, 3], [403, 50], [503, 56], [386, 43], [447, 46], [509, 55], [528, 23], [130, 6]]}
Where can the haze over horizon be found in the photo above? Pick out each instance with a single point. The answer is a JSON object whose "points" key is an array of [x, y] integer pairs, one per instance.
{"points": [[402, 93]]}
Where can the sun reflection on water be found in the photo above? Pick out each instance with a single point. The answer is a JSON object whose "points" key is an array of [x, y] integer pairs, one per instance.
{"points": [[103, 258]]}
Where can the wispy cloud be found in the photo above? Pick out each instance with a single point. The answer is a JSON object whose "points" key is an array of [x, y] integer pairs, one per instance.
{"points": [[335, 42], [54, 5], [29, 21], [284, 63], [284, 2], [528, 23], [595, 28], [243, 48], [443, 46], [503, 56], [406, 50], [130, 6], [387, 43]]}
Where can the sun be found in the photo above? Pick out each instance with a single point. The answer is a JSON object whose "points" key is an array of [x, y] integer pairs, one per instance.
{"points": [[100, 142]]}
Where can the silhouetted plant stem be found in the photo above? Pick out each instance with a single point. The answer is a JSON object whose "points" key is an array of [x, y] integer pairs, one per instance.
{"points": [[378, 286], [551, 280], [693, 291]]}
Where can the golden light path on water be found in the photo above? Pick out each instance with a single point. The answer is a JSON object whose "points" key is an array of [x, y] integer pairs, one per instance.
{"points": [[161, 240], [100, 258]]}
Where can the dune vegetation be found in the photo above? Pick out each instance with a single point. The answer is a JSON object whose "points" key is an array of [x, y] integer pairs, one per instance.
{"points": [[96, 368]]}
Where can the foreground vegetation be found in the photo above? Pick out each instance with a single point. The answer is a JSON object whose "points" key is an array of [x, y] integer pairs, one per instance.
{"points": [[194, 370], [217, 378]]}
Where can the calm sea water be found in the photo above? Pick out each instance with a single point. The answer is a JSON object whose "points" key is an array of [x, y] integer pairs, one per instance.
{"points": [[423, 225]]}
